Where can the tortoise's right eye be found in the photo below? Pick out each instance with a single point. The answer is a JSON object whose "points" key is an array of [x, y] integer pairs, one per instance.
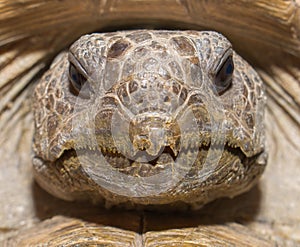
{"points": [[76, 78]]}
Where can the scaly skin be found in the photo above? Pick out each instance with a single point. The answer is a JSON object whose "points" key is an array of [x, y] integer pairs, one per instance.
{"points": [[151, 124]]}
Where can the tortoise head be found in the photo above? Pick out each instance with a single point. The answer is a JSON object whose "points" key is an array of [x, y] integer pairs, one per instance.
{"points": [[150, 117]]}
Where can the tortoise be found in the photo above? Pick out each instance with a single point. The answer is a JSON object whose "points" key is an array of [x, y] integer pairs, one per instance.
{"points": [[265, 216]]}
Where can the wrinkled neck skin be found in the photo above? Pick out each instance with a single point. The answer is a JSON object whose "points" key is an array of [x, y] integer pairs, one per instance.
{"points": [[149, 118]]}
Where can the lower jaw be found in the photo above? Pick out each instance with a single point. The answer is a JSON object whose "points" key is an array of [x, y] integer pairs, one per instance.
{"points": [[234, 174]]}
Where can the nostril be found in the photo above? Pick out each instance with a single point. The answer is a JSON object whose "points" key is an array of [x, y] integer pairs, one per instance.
{"points": [[141, 142], [167, 99]]}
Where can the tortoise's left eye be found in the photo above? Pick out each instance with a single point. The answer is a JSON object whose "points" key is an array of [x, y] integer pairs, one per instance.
{"points": [[224, 74]]}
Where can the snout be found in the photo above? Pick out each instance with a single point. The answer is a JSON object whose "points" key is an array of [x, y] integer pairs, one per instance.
{"points": [[153, 133]]}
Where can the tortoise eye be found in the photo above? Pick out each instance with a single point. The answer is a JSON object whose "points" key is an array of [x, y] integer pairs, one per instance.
{"points": [[78, 81], [224, 74], [76, 78]]}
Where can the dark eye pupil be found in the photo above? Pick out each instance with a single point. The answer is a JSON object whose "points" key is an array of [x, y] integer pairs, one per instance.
{"points": [[229, 69], [224, 75]]}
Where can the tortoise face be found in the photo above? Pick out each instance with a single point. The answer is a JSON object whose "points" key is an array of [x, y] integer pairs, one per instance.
{"points": [[180, 108]]}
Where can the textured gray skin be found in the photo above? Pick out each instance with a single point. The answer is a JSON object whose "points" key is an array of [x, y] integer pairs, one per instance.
{"points": [[148, 80]]}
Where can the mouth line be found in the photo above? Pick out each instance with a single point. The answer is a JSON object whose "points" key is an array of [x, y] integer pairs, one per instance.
{"points": [[153, 161], [166, 160], [114, 154]]}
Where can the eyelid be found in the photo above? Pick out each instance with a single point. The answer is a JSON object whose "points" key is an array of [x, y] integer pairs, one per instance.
{"points": [[223, 59], [77, 65]]}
